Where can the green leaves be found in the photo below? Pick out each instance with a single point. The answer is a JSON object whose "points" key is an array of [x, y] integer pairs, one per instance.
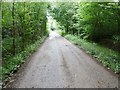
{"points": [[98, 20], [108, 57], [23, 37], [13, 63], [29, 23]]}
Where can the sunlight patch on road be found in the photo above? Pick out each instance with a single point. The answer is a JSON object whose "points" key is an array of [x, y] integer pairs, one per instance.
{"points": [[53, 35]]}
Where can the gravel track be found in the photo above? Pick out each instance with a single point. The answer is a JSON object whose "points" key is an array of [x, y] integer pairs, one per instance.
{"points": [[60, 64]]}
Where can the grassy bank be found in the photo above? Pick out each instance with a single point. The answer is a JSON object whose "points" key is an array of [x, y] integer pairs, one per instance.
{"points": [[108, 57], [11, 65]]}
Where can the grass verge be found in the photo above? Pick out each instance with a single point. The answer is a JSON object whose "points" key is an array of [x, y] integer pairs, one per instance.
{"points": [[108, 57], [15, 62]]}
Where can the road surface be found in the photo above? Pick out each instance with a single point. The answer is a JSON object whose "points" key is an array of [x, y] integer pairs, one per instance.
{"points": [[60, 64]]}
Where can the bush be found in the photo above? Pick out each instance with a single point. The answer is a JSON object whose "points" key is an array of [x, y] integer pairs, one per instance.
{"points": [[13, 63], [107, 57]]}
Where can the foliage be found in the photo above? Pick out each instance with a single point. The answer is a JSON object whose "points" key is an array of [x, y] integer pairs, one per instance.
{"points": [[100, 20], [107, 57], [13, 63], [91, 20], [23, 29], [22, 24]]}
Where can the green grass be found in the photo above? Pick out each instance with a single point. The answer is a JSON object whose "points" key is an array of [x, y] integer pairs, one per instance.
{"points": [[108, 57], [12, 64]]}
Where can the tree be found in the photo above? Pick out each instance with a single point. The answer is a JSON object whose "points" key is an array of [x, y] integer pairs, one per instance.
{"points": [[22, 23], [91, 20]]}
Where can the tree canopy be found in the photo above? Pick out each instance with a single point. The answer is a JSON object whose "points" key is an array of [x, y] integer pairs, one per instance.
{"points": [[22, 24], [90, 20]]}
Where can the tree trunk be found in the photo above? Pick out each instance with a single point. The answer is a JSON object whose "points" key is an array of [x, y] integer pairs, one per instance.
{"points": [[13, 28], [23, 28]]}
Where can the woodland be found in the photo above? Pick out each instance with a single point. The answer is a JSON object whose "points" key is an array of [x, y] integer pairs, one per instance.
{"points": [[91, 25]]}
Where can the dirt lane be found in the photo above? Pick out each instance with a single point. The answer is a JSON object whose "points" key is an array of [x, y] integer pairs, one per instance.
{"points": [[60, 64]]}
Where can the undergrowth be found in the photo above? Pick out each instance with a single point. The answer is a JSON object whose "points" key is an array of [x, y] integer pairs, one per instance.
{"points": [[12, 64], [108, 57]]}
